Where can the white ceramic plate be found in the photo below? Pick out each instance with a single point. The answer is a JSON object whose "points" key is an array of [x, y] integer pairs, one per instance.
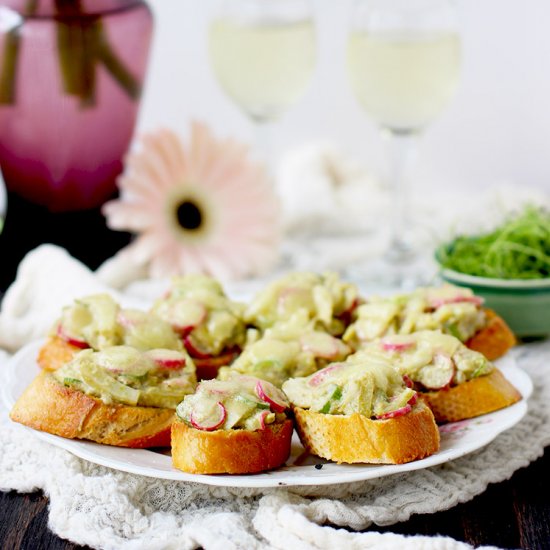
{"points": [[457, 439]]}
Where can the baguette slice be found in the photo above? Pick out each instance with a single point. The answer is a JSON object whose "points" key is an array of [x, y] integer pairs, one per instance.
{"points": [[230, 451], [48, 406], [356, 438], [473, 398], [55, 353], [495, 339]]}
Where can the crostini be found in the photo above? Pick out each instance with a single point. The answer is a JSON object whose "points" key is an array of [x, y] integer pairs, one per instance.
{"points": [[98, 322], [455, 381], [450, 309], [236, 426], [325, 299], [361, 412], [118, 396], [210, 325]]}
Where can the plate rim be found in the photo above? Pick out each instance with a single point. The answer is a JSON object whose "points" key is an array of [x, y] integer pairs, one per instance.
{"points": [[88, 450]]}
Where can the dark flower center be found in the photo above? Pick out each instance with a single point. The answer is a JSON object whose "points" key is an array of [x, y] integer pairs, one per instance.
{"points": [[189, 215]]}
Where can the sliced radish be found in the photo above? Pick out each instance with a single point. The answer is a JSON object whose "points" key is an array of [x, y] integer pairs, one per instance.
{"points": [[263, 416], [347, 315], [319, 376], [167, 358], [194, 350], [439, 374], [397, 345], [76, 342], [273, 396], [293, 298], [184, 331], [212, 422], [218, 361], [412, 401], [438, 302], [320, 344], [394, 414]]}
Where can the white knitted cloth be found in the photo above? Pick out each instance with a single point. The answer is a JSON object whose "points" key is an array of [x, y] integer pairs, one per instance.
{"points": [[105, 508]]}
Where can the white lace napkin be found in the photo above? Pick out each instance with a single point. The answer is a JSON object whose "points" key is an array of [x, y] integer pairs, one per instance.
{"points": [[106, 508]]}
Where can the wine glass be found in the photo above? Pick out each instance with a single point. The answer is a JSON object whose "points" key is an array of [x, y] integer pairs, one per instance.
{"points": [[263, 54], [403, 60]]}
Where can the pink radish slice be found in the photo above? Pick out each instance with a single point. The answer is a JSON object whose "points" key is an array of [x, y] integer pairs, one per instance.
{"points": [[394, 414], [167, 358], [194, 351], [320, 344], [263, 416], [408, 382], [184, 331], [347, 315], [318, 377], [413, 400], [438, 302], [124, 320], [76, 342], [219, 361], [273, 396], [388, 345], [439, 374], [211, 423]]}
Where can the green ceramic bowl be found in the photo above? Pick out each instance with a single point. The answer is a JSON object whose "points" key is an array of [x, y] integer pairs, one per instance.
{"points": [[523, 304]]}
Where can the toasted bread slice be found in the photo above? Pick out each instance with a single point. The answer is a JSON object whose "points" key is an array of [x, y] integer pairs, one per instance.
{"points": [[48, 406], [495, 339], [473, 398], [230, 451], [55, 353], [356, 438]]}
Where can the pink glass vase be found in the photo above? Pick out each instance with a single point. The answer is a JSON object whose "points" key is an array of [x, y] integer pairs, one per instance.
{"points": [[71, 74]]}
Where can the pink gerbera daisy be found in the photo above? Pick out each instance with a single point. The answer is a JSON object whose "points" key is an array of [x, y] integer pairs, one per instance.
{"points": [[201, 209]]}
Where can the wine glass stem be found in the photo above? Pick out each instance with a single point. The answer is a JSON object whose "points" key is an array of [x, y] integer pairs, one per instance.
{"points": [[400, 152], [264, 151]]}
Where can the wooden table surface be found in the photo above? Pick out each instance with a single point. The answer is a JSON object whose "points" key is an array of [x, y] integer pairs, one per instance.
{"points": [[511, 514]]}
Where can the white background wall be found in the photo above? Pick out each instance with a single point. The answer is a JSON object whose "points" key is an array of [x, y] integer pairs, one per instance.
{"points": [[496, 130]]}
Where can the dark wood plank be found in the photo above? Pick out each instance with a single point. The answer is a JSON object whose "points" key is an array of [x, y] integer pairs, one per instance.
{"points": [[24, 524]]}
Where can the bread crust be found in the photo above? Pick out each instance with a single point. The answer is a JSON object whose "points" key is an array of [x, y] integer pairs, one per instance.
{"points": [[48, 406], [230, 451], [356, 438], [55, 353], [495, 339], [475, 397]]}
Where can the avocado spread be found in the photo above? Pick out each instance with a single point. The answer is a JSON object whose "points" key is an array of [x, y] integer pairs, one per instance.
{"points": [[432, 359], [98, 322], [372, 389], [453, 310], [325, 299], [241, 402], [288, 349], [121, 374]]}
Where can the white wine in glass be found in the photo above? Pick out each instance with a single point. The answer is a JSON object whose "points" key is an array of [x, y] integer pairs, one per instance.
{"points": [[263, 55], [403, 61]]}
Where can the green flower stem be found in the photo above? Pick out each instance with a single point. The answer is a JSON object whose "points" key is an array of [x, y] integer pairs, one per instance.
{"points": [[114, 65], [82, 45], [9, 66]]}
